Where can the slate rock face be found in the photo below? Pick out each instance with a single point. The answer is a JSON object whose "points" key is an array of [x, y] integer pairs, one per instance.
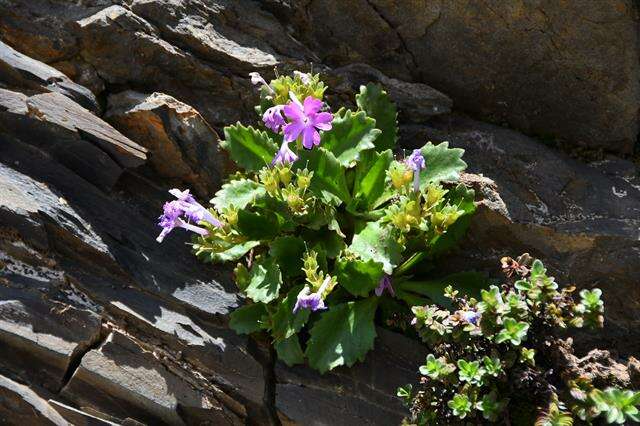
{"points": [[583, 220], [566, 70], [105, 326], [21, 71]]}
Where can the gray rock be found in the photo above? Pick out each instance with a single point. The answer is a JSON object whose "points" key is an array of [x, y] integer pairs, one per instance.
{"points": [[70, 133], [566, 71], [184, 147], [363, 394], [20, 405], [18, 70], [43, 337], [79, 417], [584, 221], [122, 379], [416, 102]]}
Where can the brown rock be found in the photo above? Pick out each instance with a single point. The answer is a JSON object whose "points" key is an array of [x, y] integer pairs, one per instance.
{"points": [[566, 70], [122, 379], [20, 405], [70, 133], [31, 76], [362, 394], [581, 220], [183, 146], [43, 336]]}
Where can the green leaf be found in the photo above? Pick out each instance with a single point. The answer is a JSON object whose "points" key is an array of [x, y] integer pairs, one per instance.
{"points": [[463, 198], [289, 351], [251, 149], [443, 163], [324, 241], [376, 242], [350, 134], [376, 103], [248, 318], [231, 253], [258, 226], [329, 182], [285, 322], [468, 283], [358, 277], [371, 173], [513, 331], [343, 335], [288, 252], [238, 193], [265, 280]]}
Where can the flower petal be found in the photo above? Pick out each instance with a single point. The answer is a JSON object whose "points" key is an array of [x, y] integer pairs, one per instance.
{"points": [[312, 105], [294, 112], [292, 131], [310, 137], [323, 120]]}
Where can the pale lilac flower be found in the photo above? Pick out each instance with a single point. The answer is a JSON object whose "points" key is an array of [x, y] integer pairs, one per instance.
{"points": [[256, 79], [416, 163], [471, 317], [308, 300], [306, 120], [193, 210], [273, 118], [312, 301], [185, 205], [170, 219], [284, 155], [306, 78], [385, 283]]}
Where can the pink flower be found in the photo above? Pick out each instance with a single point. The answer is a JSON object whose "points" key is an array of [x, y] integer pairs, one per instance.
{"points": [[306, 120]]}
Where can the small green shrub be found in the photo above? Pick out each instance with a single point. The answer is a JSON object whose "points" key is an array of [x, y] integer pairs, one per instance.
{"points": [[491, 356]]}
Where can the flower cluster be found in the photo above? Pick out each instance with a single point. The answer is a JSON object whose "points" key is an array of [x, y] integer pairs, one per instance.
{"points": [[324, 219], [489, 351], [184, 207], [305, 119]]}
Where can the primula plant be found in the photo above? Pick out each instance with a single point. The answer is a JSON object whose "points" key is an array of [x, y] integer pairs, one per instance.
{"points": [[326, 219], [492, 357]]}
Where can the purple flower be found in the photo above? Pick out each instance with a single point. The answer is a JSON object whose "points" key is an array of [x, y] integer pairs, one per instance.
{"points": [[385, 283], [309, 300], [306, 120], [273, 118], [193, 210], [284, 155], [471, 317], [184, 205], [416, 163], [256, 79], [304, 77]]}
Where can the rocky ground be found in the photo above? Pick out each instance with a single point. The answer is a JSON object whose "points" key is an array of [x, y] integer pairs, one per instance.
{"points": [[104, 105]]}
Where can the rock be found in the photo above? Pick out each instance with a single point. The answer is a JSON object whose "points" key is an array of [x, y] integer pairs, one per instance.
{"points": [[70, 133], [582, 222], [416, 102], [363, 394], [20, 71], [124, 380], [49, 335], [183, 146], [20, 405], [78, 417], [555, 70]]}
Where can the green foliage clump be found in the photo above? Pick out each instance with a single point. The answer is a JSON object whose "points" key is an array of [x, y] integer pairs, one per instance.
{"points": [[317, 238], [491, 356]]}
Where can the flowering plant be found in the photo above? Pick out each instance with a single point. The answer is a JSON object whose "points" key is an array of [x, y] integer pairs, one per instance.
{"points": [[495, 356], [326, 220]]}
